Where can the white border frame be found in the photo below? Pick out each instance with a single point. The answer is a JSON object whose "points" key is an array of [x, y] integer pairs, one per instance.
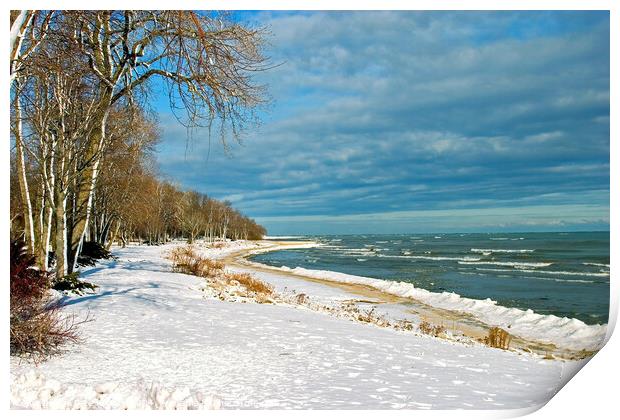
{"points": [[591, 394]]}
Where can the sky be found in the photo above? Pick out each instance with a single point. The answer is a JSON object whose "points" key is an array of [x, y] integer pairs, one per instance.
{"points": [[403, 122]]}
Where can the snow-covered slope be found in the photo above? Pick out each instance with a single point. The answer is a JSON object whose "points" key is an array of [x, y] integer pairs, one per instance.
{"points": [[153, 334]]}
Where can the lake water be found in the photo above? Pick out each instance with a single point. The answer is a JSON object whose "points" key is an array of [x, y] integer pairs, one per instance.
{"points": [[564, 274]]}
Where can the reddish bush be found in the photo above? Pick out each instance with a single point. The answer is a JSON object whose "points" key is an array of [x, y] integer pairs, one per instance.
{"points": [[37, 327], [28, 283]]}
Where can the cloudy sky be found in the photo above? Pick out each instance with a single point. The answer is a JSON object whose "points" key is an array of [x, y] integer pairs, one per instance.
{"points": [[402, 122]]}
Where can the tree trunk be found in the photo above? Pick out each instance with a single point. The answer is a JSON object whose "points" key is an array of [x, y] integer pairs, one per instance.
{"points": [[21, 175], [61, 234], [18, 29], [48, 236], [86, 188]]}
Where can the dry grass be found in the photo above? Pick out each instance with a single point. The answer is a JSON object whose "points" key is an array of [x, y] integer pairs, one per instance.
{"points": [[498, 338], [222, 285], [429, 329], [404, 325], [187, 260], [369, 316], [250, 283], [301, 299]]}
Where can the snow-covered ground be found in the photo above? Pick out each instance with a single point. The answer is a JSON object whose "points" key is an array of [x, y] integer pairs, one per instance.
{"points": [[154, 341]]}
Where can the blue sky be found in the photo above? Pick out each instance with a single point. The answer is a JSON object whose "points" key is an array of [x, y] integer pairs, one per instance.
{"points": [[402, 122]]}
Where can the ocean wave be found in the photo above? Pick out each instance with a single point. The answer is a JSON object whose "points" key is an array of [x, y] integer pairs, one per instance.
{"points": [[504, 251], [573, 281], [360, 253], [353, 250], [596, 264], [484, 272], [557, 273], [516, 264], [566, 332], [425, 257]]}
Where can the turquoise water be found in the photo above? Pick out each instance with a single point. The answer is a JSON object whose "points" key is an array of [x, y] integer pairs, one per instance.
{"points": [[565, 274]]}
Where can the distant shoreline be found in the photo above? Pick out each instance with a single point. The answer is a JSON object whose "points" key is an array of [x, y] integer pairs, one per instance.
{"points": [[310, 235]]}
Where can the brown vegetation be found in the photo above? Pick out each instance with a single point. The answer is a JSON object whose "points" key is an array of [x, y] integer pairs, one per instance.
{"points": [[301, 299], [250, 283], [37, 327], [187, 260], [226, 286], [41, 331], [429, 329], [498, 338]]}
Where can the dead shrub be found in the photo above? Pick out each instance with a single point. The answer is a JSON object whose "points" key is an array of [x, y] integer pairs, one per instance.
{"points": [[367, 316], [41, 330], [498, 338], [429, 329], [404, 325], [301, 299], [182, 256], [186, 260], [350, 309], [250, 283], [37, 327]]}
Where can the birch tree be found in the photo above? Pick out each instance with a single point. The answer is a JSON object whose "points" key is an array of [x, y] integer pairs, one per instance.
{"points": [[205, 61], [25, 36]]}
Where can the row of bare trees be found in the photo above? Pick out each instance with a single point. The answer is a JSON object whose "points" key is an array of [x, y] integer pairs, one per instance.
{"points": [[131, 203], [79, 86]]}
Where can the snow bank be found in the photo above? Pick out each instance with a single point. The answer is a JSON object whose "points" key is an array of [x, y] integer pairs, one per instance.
{"points": [[267, 237], [565, 332], [33, 391], [270, 247], [208, 250]]}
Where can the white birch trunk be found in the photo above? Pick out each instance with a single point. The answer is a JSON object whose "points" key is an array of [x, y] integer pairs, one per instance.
{"points": [[21, 175], [18, 29]]}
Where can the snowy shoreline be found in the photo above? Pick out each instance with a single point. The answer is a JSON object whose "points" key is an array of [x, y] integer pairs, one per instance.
{"points": [[156, 342], [565, 332]]}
